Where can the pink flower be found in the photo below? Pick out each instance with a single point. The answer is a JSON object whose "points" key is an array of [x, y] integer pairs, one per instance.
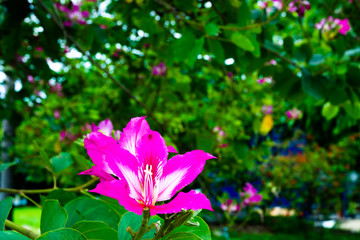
{"points": [[62, 135], [271, 62], [293, 113], [263, 4], [299, 6], [264, 80], [230, 206], [159, 69], [30, 79], [102, 26], [73, 15], [278, 4], [57, 88], [144, 175], [250, 195], [267, 109], [344, 25], [57, 114], [327, 25], [105, 127], [39, 48]]}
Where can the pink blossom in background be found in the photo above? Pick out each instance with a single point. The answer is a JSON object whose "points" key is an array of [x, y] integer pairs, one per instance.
{"points": [[74, 14], [278, 4], [329, 24], [86, 128], [230, 206], [159, 69], [105, 127], [66, 49], [62, 135], [267, 109], [230, 75], [57, 114], [264, 80], [293, 113], [271, 62], [30, 79], [19, 58], [250, 195], [299, 6], [263, 4], [39, 48], [57, 88], [103, 26], [144, 175]]}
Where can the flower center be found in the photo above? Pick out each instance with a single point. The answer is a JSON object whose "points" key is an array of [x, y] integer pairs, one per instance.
{"points": [[149, 185]]}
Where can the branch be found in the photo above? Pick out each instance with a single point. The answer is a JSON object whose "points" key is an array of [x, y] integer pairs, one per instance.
{"points": [[26, 232], [281, 56], [47, 190]]}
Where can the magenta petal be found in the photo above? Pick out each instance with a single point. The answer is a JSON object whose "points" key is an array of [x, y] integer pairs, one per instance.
{"points": [[97, 171], [98, 147], [152, 150], [186, 201], [171, 149], [125, 166], [180, 171], [132, 133], [118, 189], [255, 198]]}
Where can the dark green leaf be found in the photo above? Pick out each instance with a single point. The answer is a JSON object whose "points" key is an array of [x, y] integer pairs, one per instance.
{"points": [[5, 207], [217, 49], [53, 216], [201, 232], [90, 209], [241, 149], [114, 204], [197, 49], [62, 196], [205, 142], [61, 161], [94, 230], [182, 235], [211, 29], [4, 166], [352, 109], [10, 235], [62, 234], [133, 220]]}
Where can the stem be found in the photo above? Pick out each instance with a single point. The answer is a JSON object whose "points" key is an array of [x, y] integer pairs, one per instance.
{"points": [[144, 224], [30, 199], [281, 56], [26, 232], [47, 190], [163, 229]]}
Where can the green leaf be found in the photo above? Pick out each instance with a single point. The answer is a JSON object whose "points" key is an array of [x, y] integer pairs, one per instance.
{"points": [[62, 196], [184, 45], [182, 235], [5, 166], [217, 49], [197, 49], [314, 86], [352, 109], [352, 76], [241, 41], [94, 230], [352, 52], [289, 45], [241, 149], [114, 204], [62, 234], [211, 29], [5, 207], [201, 232], [133, 220], [61, 161], [11, 235], [205, 142], [329, 111], [90, 209], [53, 216]]}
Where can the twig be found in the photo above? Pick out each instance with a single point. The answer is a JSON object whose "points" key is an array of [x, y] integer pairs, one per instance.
{"points": [[281, 56], [47, 190], [20, 229], [30, 199]]}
